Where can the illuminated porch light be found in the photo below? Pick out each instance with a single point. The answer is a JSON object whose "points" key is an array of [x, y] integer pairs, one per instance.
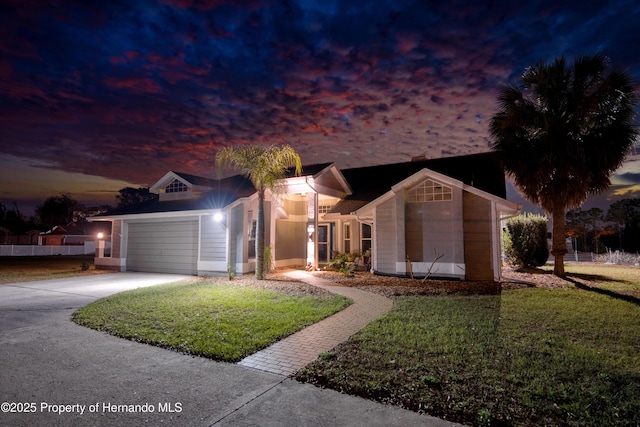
{"points": [[218, 217], [100, 235]]}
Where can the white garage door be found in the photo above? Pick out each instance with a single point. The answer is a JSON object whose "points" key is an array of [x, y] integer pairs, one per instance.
{"points": [[163, 247]]}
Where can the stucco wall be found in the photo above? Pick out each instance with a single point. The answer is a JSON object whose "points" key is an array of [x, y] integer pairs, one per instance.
{"points": [[291, 233], [292, 240]]}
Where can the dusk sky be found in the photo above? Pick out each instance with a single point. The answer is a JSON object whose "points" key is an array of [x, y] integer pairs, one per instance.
{"points": [[99, 95]]}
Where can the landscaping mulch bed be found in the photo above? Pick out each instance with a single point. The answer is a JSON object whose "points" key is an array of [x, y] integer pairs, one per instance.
{"points": [[399, 286]]}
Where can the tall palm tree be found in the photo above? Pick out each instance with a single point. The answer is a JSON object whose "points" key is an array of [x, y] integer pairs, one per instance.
{"points": [[265, 167], [563, 132]]}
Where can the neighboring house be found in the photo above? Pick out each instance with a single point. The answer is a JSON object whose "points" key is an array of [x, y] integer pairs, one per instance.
{"points": [[29, 238], [73, 234], [448, 208]]}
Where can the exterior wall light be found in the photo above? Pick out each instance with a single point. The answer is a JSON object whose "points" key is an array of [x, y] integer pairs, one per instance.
{"points": [[218, 217]]}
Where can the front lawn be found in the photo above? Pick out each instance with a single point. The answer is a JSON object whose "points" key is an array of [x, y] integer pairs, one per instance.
{"points": [[623, 279], [526, 357], [223, 322], [29, 268]]}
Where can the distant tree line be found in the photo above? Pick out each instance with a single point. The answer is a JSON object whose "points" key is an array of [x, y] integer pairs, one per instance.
{"points": [[63, 209], [595, 231]]}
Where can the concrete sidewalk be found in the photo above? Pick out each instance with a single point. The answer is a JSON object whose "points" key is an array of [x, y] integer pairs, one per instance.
{"points": [[53, 372]]}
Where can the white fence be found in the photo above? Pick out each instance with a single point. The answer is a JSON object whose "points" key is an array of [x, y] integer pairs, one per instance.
{"points": [[89, 248]]}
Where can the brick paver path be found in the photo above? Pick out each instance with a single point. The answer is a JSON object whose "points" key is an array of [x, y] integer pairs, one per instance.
{"points": [[286, 357]]}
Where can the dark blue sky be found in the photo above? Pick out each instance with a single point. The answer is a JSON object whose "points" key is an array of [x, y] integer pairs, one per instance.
{"points": [[95, 96]]}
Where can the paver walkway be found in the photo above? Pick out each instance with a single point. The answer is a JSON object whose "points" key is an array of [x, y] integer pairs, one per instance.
{"points": [[287, 356]]}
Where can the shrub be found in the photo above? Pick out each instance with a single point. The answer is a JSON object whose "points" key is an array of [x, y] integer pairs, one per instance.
{"points": [[341, 263], [526, 240], [337, 262], [617, 257]]}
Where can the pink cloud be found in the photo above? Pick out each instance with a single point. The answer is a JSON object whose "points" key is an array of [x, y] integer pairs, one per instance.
{"points": [[315, 128], [406, 42], [134, 84], [21, 90]]}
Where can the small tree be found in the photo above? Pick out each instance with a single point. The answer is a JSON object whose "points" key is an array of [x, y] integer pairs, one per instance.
{"points": [[265, 167], [130, 196], [526, 240], [57, 210]]}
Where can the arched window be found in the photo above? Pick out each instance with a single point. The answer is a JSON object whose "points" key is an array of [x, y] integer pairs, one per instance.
{"points": [[429, 191], [176, 187]]}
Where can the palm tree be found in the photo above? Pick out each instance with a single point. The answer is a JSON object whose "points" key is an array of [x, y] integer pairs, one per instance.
{"points": [[265, 167], [563, 132]]}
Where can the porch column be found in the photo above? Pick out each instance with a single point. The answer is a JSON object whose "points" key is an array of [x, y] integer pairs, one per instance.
{"points": [[100, 247], [312, 230]]}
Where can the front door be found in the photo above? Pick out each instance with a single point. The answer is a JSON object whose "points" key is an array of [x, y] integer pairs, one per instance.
{"points": [[325, 244]]}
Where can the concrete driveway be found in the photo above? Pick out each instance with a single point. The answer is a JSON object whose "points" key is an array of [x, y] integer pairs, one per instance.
{"points": [[54, 372]]}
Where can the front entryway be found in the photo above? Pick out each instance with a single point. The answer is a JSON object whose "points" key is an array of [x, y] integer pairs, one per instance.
{"points": [[325, 243]]}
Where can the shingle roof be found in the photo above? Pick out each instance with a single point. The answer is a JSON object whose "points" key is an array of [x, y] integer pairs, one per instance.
{"points": [[223, 193], [310, 170], [81, 228], [483, 171], [196, 180]]}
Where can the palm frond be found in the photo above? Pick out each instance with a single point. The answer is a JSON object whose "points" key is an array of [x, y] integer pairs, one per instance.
{"points": [[263, 165]]}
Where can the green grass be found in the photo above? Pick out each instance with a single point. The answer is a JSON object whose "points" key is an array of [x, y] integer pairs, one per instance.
{"points": [[221, 322], [527, 357], [30, 268], [617, 278]]}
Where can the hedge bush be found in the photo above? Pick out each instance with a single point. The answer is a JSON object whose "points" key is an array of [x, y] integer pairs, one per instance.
{"points": [[526, 240]]}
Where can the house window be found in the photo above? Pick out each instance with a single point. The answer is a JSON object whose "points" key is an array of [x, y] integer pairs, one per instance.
{"points": [[323, 209], [176, 187], [365, 237], [429, 191], [346, 231]]}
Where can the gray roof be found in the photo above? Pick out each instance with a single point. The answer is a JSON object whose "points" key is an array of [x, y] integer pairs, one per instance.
{"points": [[223, 192], [483, 171]]}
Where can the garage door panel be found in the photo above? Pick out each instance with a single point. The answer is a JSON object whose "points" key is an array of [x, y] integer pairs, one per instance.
{"points": [[164, 247]]}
